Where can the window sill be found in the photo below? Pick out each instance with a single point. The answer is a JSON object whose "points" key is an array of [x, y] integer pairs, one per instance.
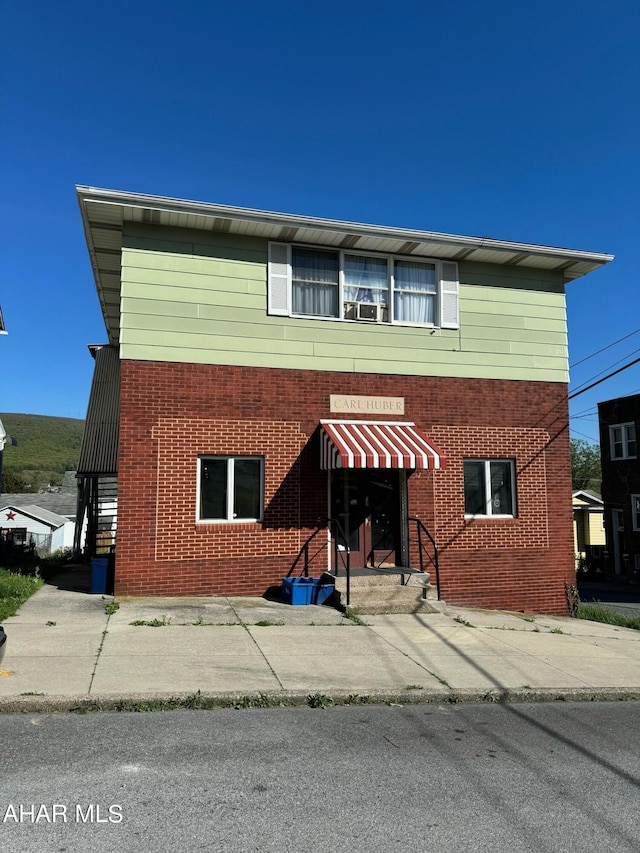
{"points": [[468, 517], [392, 323]]}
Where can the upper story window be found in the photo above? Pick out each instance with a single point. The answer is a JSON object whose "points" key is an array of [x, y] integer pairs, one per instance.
{"points": [[321, 283], [622, 438], [414, 297], [315, 282], [366, 288]]}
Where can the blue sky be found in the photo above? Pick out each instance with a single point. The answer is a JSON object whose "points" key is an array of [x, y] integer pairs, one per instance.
{"points": [[509, 120]]}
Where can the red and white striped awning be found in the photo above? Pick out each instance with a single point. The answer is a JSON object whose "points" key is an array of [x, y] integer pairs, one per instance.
{"points": [[376, 444]]}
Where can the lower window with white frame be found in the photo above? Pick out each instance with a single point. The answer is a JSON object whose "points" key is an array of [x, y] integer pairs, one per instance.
{"points": [[230, 488], [635, 511], [490, 487]]}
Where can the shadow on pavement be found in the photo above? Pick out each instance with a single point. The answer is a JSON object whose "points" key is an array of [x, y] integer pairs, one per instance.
{"points": [[73, 578]]}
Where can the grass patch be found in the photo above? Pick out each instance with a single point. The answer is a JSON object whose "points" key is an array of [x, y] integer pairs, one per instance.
{"points": [[352, 616], [462, 621], [319, 700], [263, 700], [111, 607], [357, 699], [152, 623], [598, 613], [15, 589]]}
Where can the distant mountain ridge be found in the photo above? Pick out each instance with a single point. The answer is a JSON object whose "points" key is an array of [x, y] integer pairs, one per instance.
{"points": [[47, 447]]}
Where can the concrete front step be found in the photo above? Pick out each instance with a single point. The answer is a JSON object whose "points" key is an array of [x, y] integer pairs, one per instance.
{"points": [[404, 592], [372, 607]]}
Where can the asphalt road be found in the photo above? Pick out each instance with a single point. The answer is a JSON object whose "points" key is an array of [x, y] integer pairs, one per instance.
{"points": [[562, 777]]}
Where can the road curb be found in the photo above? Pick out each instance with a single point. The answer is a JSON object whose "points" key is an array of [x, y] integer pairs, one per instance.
{"points": [[139, 702]]}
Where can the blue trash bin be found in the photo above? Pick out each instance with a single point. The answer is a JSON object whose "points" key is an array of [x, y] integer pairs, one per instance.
{"points": [[299, 590], [323, 592], [99, 566]]}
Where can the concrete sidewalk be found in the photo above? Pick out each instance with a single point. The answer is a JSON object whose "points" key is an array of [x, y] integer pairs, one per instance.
{"points": [[66, 649]]}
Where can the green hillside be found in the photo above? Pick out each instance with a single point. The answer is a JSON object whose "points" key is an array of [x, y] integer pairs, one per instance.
{"points": [[47, 447]]}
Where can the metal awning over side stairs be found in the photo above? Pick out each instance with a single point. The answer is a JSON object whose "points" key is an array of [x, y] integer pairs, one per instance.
{"points": [[376, 444], [98, 463]]}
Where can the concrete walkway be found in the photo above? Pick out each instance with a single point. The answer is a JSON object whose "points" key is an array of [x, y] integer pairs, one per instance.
{"points": [[67, 648]]}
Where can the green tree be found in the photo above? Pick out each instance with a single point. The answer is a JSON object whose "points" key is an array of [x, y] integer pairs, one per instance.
{"points": [[586, 472], [13, 483]]}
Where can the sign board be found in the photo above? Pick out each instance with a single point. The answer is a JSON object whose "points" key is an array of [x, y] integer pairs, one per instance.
{"points": [[340, 403]]}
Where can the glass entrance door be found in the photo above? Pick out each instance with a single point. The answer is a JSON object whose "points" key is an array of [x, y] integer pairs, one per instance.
{"points": [[366, 502]]}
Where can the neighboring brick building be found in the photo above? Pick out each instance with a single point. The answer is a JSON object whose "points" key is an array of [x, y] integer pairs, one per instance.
{"points": [[276, 371], [619, 424]]}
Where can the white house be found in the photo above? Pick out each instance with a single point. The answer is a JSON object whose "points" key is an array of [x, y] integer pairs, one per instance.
{"points": [[35, 527], [47, 520]]}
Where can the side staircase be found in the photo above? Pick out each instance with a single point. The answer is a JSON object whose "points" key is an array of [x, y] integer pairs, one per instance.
{"points": [[379, 590]]}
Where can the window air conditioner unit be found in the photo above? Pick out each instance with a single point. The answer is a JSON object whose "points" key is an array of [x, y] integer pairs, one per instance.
{"points": [[371, 312]]}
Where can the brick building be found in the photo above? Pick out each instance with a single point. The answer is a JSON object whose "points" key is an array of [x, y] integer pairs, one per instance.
{"points": [[290, 387], [619, 421]]}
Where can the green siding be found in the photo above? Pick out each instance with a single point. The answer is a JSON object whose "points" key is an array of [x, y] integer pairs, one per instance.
{"points": [[192, 296]]}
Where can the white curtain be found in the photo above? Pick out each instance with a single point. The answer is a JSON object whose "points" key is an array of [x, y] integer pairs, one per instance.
{"points": [[315, 283], [365, 279], [414, 292]]}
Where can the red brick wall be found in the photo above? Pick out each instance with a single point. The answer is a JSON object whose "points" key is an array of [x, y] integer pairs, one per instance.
{"points": [[173, 413]]}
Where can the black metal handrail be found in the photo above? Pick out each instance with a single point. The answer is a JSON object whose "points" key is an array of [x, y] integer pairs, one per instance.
{"points": [[305, 552], [422, 549]]}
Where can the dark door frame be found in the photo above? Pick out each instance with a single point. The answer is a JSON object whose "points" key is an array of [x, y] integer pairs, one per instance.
{"points": [[359, 490]]}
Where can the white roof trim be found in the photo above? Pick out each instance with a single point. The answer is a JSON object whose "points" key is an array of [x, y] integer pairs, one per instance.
{"points": [[221, 211], [36, 513]]}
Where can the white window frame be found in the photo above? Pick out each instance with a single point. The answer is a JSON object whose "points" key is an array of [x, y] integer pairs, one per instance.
{"points": [[231, 460], [487, 489], [625, 440], [635, 512], [445, 296]]}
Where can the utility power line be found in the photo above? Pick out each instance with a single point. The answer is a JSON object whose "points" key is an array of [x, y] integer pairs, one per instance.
{"points": [[608, 346], [595, 376], [589, 438], [604, 379]]}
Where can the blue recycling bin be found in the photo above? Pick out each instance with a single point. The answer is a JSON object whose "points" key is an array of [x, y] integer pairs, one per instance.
{"points": [[99, 567], [306, 591], [323, 592], [299, 590]]}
